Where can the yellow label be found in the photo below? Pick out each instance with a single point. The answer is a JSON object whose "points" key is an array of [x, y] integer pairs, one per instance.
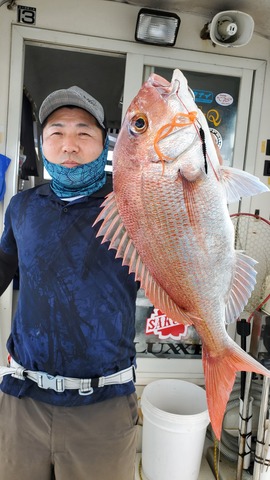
{"points": [[263, 146]]}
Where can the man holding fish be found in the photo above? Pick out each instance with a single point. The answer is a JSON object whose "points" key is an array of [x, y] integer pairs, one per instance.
{"points": [[68, 407], [168, 221]]}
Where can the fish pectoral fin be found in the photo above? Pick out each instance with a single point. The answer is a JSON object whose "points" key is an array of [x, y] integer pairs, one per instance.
{"points": [[113, 230], [243, 284], [239, 183], [220, 374]]}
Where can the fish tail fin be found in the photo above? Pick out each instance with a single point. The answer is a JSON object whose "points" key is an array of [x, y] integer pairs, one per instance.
{"points": [[220, 373]]}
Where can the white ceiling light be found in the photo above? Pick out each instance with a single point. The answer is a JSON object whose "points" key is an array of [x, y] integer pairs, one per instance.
{"points": [[157, 28]]}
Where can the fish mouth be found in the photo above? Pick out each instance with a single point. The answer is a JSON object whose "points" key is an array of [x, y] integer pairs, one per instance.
{"points": [[175, 86], [167, 89], [160, 84], [178, 79], [178, 135], [163, 87]]}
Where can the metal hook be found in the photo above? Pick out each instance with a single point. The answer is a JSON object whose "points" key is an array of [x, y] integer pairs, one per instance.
{"points": [[11, 3]]}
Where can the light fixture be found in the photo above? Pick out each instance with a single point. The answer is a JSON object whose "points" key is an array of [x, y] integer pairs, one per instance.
{"points": [[230, 28], [156, 27]]}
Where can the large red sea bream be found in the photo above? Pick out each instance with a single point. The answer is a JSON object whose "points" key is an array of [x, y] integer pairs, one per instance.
{"points": [[168, 219]]}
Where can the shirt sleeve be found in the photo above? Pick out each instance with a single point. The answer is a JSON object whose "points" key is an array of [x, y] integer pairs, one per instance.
{"points": [[8, 254], [8, 268]]}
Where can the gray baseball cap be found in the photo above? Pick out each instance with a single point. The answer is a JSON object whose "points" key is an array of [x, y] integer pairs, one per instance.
{"points": [[71, 96]]}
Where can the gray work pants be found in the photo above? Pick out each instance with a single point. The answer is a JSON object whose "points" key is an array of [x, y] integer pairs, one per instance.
{"points": [[94, 442]]}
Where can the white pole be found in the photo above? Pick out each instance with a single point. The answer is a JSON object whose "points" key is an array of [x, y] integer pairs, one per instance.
{"points": [[261, 430]]}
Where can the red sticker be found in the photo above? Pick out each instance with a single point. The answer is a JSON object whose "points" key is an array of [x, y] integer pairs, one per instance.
{"points": [[162, 326]]}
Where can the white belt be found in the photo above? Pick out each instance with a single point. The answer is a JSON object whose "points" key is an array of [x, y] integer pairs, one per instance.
{"points": [[85, 386]]}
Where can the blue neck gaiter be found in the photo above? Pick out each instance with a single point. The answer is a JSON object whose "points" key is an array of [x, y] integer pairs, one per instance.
{"points": [[81, 180]]}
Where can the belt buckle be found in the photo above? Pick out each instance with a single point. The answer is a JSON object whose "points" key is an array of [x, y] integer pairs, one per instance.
{"points": [[57, 383], [86, 388]]}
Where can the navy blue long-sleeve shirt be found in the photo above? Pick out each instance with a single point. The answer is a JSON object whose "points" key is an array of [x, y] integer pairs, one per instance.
{"points": [[76, 310]]}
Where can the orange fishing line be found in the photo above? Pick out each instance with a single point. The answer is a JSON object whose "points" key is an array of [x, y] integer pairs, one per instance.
{"points": [[165, 130]]}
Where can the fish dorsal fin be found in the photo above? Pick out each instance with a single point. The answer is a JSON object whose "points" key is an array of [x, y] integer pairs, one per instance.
{"points": [[113, 230], [243, 285], [239, 183]]}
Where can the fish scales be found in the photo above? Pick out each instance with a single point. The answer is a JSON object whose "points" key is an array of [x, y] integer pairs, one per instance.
{"points": [[185, 239], [168, 219]]}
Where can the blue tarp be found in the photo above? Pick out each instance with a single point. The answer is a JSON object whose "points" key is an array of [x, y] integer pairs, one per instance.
{"points": [[4, 163]]}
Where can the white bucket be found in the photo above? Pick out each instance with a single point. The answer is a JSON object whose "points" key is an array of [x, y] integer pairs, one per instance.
{"points": [[175, 418]]}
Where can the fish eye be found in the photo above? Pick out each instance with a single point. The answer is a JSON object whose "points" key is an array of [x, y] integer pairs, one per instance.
{"points": [[139, 123]]}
